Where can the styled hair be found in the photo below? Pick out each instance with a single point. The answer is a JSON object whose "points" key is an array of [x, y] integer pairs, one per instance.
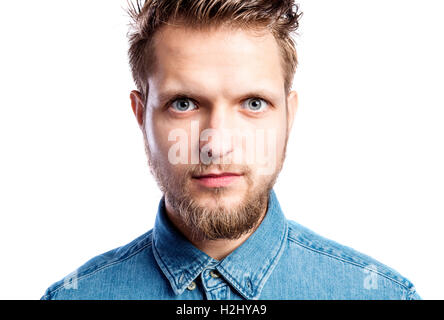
{"points": [[280, 17]]}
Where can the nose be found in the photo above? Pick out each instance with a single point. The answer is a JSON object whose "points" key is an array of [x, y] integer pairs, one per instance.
{"points": [[216, 137]]}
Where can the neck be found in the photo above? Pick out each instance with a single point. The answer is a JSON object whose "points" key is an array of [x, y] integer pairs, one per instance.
{"points": [[216, 249]]}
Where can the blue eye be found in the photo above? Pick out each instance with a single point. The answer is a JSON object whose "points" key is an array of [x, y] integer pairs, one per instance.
{"points": [[183, 105], [256, 104]]}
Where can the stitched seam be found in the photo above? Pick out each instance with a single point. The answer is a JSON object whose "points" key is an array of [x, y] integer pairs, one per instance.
{"points": [[216, 288], [275, 259], [164, 266], [235, 283], [272, 262], [101, 268], [348, 261]]}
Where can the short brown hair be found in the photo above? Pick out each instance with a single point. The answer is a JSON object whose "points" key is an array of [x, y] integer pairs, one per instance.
{"points": [[280, 17]]}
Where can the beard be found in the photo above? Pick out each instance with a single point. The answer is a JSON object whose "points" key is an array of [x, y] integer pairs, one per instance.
{"points": [[219, 222]]}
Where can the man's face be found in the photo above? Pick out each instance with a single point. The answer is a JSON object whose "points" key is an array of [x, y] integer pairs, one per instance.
{"points": [[216, 82]]}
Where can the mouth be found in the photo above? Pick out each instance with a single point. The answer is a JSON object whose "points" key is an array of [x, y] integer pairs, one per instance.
{"points": [[214, 180]]}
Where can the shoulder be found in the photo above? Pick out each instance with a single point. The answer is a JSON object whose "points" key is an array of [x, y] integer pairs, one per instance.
{"points": [[101, 268], [334, 257]]}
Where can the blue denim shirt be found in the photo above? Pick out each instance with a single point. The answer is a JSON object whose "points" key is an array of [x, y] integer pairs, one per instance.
{"points": [[281, 260]]}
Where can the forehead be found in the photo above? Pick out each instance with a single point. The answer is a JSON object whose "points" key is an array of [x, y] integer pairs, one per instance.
{"points": [[222, 59]]}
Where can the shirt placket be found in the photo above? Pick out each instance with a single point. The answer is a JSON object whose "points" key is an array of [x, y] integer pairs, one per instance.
{"points": [[214, 285]]}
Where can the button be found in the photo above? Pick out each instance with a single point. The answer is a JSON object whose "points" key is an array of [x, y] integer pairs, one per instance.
{"points": [[214, 274], [192, 286]]}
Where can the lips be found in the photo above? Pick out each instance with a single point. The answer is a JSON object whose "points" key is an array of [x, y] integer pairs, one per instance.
{"points": [[217, 175], [213, 180]]}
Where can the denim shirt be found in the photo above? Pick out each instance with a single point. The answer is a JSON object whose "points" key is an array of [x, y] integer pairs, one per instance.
{"points": [[281, 260]]}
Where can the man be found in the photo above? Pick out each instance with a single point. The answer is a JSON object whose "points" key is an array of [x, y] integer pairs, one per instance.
{"points": [[214, 81]]}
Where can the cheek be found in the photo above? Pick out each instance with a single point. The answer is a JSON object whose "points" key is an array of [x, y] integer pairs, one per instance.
{"points": [[281, 132], [157, 132], [170, 143], [280, 139], [275, 132], [272, 147]]}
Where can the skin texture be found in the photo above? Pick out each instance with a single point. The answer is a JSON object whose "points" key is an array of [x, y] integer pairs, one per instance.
{"points": [[220, 72]]}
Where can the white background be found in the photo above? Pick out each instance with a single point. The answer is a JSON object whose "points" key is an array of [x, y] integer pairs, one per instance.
{"points": [[364, 164]]}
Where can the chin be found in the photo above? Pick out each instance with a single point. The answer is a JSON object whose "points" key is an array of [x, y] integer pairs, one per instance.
{"points": [[226, 197]]}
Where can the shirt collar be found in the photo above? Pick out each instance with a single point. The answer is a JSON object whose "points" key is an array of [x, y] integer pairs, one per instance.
{"points": [[247, 268]]}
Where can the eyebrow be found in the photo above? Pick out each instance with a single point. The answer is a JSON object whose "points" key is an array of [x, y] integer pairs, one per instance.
{"points": [[169, 95]]}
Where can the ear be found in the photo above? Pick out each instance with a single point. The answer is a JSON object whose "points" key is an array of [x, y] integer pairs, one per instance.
{"points": [[292, 107], [138, 106]]}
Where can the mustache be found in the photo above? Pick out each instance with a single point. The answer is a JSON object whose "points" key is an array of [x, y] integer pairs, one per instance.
{"points": [[200, 169]]}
